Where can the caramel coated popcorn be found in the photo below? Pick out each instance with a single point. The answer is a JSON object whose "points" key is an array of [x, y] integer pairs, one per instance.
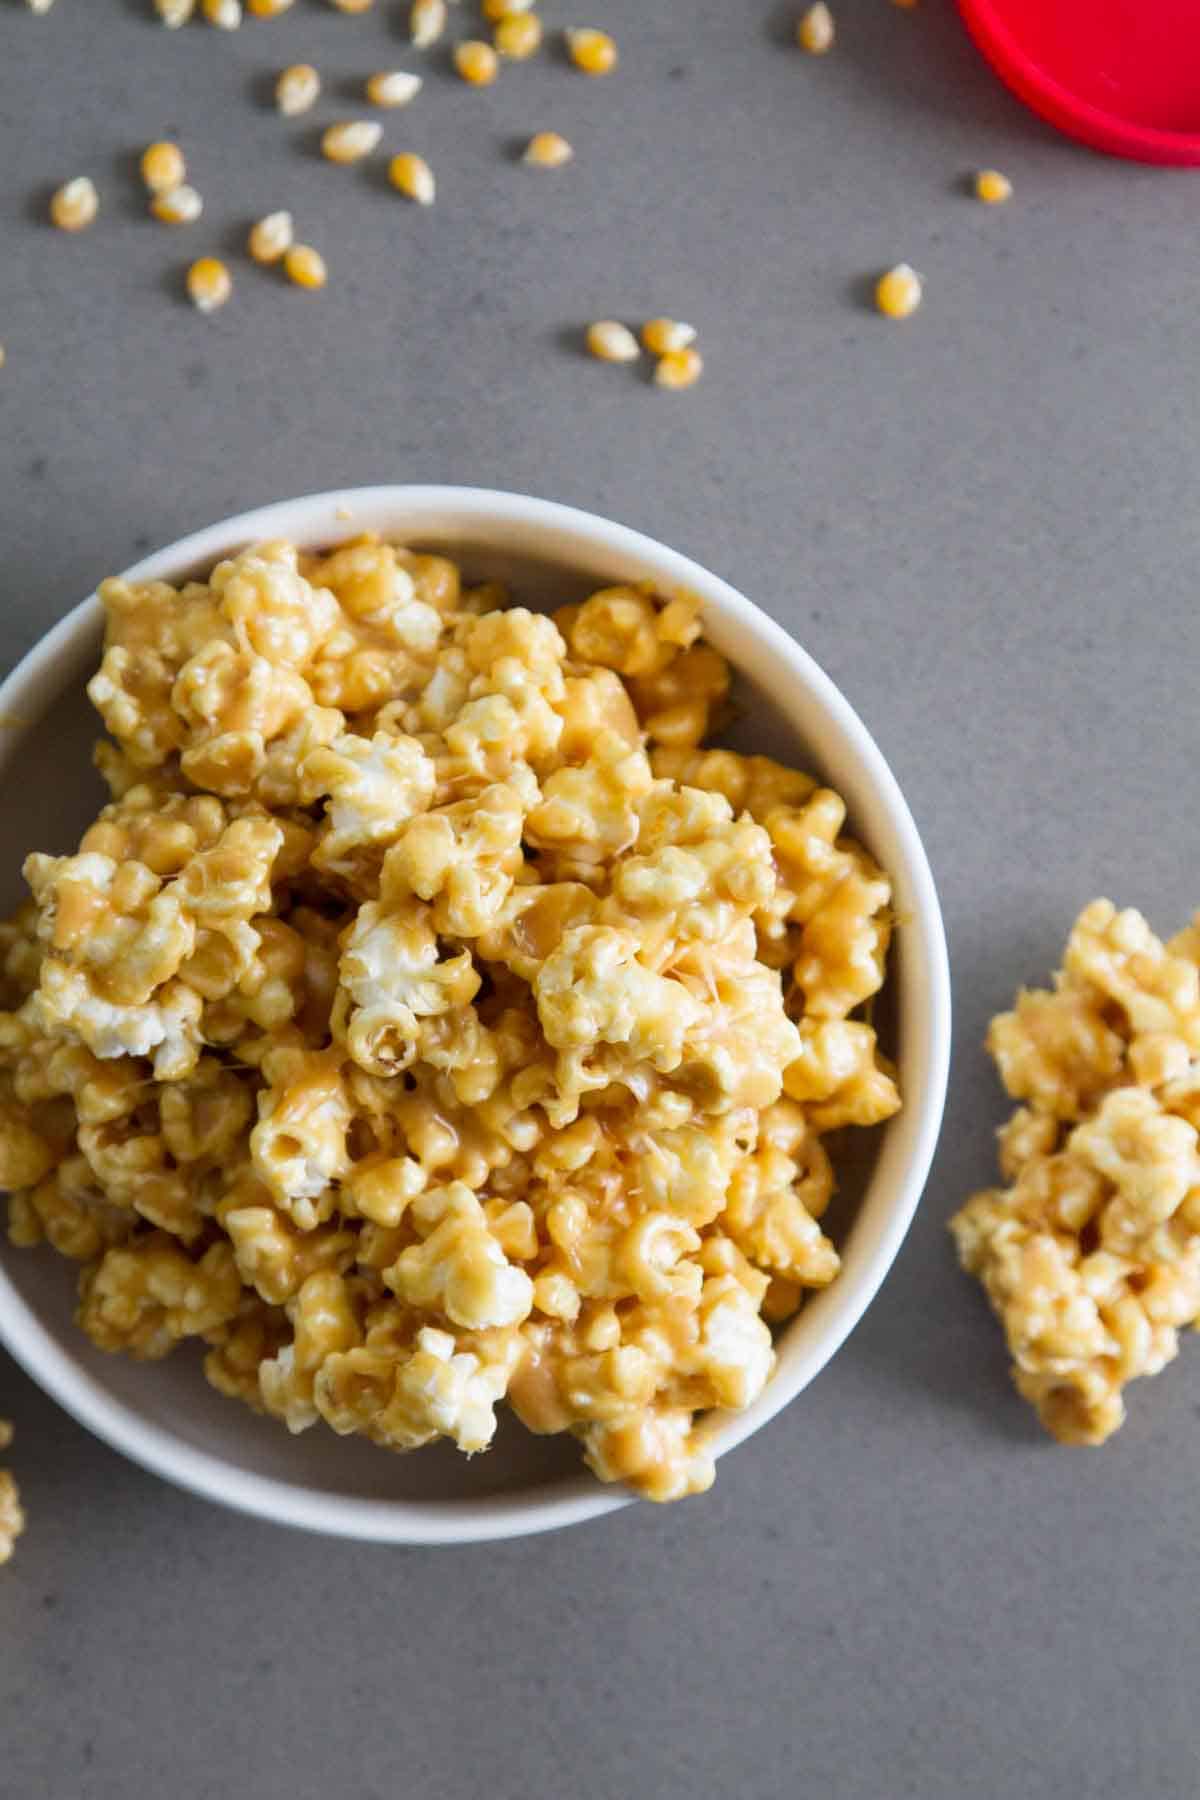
{"points": [[430, 1021], [1091, 1253], [12, 1517]]}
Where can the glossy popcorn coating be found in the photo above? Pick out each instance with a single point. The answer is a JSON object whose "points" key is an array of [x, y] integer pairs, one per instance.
{"points": [[429, 1021], [1090, 1254]]}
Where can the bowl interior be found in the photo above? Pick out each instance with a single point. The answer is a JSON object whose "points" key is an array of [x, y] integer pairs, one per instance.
{"points": [[49, 793]]}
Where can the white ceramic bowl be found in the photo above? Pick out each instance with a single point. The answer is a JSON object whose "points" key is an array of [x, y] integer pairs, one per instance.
{"points": [[163, 1414]]}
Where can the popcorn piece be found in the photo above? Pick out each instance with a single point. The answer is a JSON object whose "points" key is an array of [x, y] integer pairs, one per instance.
{"points": [[299, 1145], [144, 1296], [592, 989], [391, 978], [460, 1267], [12, 1518], [1091, 1256], [372, 787], [461, 858]]}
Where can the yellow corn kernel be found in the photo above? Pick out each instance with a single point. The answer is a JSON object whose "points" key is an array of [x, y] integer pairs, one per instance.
{"points": [[352, 6], [412, 175], [305, 266], [209, 283], [271, 237], [75, 204], [393, 87], [351, 140], [476, 62], [612, 342], [3, 356], [679, 368], [992, 187], [174, 13], [226, 15], [815, 30], [547, 150], [163, 167], [180, 205], [426, 22], [494, 10], [297, 89], [519, 36], [898, 292], [592, 51], [268, 9], [662, 336]]}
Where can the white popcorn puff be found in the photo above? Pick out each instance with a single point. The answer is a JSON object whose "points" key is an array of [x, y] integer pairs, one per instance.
{"points": [[442, 1391], [372, 787], [460, 1266], [592, 989], [391, 979]]}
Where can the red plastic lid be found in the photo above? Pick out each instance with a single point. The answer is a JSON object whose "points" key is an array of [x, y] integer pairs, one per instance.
{"points": [[1121, 75]]}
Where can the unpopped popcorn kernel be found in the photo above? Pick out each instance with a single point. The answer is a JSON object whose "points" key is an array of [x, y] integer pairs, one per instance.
{"points": [[411, 176], [547, 150], [75, 205], [815, 30], [992, 187], [209, 283], [297, 89], [612, 342], [393, 87], [592, 51], [899, 292]]}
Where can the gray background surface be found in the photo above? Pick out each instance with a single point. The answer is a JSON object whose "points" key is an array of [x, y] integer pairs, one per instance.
{"points": [[984, 524]]}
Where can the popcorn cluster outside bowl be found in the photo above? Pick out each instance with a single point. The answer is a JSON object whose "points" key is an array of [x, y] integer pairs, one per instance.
{"points": [[163, 1414]]}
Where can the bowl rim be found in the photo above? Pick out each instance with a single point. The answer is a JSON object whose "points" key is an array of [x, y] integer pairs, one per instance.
{"points": [[327, 517]]}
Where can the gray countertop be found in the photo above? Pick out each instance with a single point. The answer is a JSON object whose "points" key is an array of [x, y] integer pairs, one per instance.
{"points": [[984, 524]]}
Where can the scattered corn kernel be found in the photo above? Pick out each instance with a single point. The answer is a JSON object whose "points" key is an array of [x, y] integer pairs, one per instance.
{"points": [[163, 167], [592, 51], [305, 266], [297, 89], [271, 237], [174, 13], [352, 6], [393, 87], [679, 368], [612, 342], [209, 283], [476, 62], [226, 15], [75, 204], [547, 150], [898, 292], [180, 205], [662, 336], [518, 36], [414, 177], [495, 10], [3, 356], [39, 6], [351, 140], [426, 22], [268, 9], [815, 30], [992, 187]]}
